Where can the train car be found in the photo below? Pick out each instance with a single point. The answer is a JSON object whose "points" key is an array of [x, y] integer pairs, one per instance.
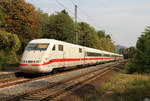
{"points": [[44, 55]]}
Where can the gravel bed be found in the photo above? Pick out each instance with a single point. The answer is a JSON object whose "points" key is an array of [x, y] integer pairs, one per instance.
{"points": [[30, 86], [7, 75], [6, 83]]}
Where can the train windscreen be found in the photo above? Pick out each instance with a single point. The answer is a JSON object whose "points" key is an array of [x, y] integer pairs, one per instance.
{"points": [[37, 46]]}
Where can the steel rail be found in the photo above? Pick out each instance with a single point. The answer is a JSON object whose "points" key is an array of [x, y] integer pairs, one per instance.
{"points": [[21, 79], [49, 92]]}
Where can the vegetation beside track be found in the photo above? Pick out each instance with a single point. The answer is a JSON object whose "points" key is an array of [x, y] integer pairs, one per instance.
{"points": [[140, 63], [126, 87], [121, 87], [10, 45], [118, 86]]}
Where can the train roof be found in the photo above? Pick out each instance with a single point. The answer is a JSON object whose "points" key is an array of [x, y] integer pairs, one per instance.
{"points": [[40, 41], [55, 41]]}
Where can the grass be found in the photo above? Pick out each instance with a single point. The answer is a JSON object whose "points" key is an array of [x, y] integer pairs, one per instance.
{"points": [[125, 87], [120, 87]]}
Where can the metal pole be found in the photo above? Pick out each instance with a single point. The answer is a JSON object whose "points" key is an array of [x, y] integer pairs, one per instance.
{"points": [[76, 34]]}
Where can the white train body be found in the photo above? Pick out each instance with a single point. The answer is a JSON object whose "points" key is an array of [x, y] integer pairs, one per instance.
{"points": [[43, 55]]}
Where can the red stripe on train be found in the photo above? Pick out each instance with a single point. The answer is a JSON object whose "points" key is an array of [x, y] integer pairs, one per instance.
{"points": [[65, 60], [23, 64]]}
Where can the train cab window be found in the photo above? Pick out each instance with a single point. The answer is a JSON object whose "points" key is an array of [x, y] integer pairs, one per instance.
{"points": [[80, 50], [37, 46], [60, 47], [54, 47]]}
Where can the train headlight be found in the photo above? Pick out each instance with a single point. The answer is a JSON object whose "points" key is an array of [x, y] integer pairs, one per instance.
{"points": [[23, 61], [38, 61]]}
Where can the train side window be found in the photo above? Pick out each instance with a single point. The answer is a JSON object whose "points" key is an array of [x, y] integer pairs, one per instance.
{"points": [[80, 50], [106, 55], [54, 47], [94, 54], [60, 47]]}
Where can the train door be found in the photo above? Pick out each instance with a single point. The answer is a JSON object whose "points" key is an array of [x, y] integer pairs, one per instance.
{"points": [[60, 55], [84, 56], [56, 55], [52, 54]]}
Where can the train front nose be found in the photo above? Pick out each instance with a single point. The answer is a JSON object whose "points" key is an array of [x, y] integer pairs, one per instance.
{"points": [[33, 55], [31, 62], [31, 68], [34, 68]]}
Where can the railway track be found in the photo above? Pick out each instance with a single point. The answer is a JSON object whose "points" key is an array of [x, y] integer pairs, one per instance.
{"points": [[9, 75], [22, 79], [56, 90], [10, 79]]}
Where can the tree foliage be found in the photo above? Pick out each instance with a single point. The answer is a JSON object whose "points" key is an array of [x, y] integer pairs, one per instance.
{"points": [[141, 61], [60, 27], [101, 34], [127, 52], [21, 19], [44, 22], [9, 42], [89, 37], [9, 45], [2, 15]]}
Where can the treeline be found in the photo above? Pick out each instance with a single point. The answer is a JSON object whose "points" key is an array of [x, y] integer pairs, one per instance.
{"points": [[127, 52], [60, 26], [20, 22], [140, 62]]}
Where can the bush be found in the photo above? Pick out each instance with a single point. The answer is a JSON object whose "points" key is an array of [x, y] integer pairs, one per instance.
{"points": [[130, 67], [2, 62], [10, 44]]}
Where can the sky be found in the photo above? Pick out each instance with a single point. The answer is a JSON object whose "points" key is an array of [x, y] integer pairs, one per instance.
{"points": [[124, 20]]}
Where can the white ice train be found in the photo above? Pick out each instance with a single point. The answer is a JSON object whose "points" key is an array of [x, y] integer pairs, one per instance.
{"points": [[44, 55]]}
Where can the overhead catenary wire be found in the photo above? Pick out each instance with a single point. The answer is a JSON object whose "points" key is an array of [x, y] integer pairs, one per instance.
{"points": [[62, 5], [85, 13], [80, 10]]}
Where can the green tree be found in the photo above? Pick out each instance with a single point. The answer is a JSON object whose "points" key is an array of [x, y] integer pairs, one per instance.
{"points": [[44, 22], [127, 52], [109, 44], [101, 34], [2, 15], [21, 19], [61, 27], [131, 52], [105, 41], [142, 57], [9, 45], [87, 35], [122, 51], [141, 61]]}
